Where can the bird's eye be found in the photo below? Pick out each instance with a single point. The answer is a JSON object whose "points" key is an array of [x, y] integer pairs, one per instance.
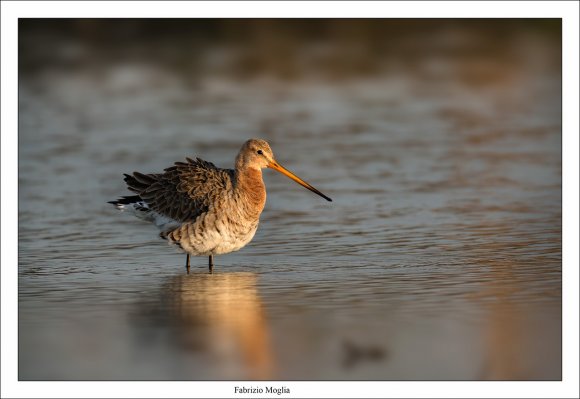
{"points": [[260, 152]]}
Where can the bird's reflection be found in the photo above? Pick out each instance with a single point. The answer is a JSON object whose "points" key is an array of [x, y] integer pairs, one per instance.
{"points": [[221, 317]]}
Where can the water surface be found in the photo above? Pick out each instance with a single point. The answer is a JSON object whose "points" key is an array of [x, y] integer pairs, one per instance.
{"points": [[439, 258]]}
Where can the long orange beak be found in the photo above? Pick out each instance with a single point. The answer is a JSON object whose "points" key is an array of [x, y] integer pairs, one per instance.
{"points": [[276, 166]]}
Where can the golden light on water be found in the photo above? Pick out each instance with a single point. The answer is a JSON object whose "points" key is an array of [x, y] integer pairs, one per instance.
{"points": [[222, 314]]}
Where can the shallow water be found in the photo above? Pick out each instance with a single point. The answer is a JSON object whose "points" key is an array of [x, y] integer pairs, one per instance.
{"points": [[439, 258]]}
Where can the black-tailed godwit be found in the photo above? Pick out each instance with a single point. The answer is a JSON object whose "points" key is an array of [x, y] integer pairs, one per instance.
{"points": [[202, 209]]}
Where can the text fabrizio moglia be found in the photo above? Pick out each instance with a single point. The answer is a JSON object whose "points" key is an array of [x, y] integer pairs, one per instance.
{"points": [[275, 390]]}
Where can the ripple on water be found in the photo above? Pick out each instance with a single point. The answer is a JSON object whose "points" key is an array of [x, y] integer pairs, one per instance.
{"points": [[441, 248]]}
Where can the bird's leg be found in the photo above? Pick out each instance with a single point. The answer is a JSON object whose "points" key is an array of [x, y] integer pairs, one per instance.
{"points": [[187, 264], [211, 264]]}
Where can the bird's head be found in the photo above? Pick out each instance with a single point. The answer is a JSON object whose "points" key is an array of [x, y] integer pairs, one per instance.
{"points": [[257, 154]]}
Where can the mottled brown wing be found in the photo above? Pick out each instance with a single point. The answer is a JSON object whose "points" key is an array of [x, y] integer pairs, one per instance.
{"points": [[184, 191]]}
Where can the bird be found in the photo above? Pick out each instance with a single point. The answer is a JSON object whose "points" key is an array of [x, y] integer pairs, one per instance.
{"points": [[204, 210]]}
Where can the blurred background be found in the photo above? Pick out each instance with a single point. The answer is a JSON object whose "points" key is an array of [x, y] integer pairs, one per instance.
{"points": [[439, 141]]}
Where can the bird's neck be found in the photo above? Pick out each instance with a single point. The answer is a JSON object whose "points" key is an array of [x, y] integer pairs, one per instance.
{"points": [[251, 190]]}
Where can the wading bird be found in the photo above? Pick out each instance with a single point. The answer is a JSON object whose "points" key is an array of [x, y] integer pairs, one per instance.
{"points": [[202, 209]]}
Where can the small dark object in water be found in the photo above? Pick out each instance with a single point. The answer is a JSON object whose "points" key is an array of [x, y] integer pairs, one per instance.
{"points": [[355, 353]]}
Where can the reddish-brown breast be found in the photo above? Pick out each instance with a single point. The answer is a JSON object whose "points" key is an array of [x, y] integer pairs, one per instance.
{"points": [[251, 190]]}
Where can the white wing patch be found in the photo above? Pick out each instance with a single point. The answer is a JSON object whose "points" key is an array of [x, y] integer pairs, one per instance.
{"points": [[142, 211]]}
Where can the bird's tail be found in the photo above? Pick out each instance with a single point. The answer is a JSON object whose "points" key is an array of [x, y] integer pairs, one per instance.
{"points": [[125, 201], [135, 205]]}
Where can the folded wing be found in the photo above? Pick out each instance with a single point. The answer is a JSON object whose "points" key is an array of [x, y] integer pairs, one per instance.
{"points": [[183, 191]]}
